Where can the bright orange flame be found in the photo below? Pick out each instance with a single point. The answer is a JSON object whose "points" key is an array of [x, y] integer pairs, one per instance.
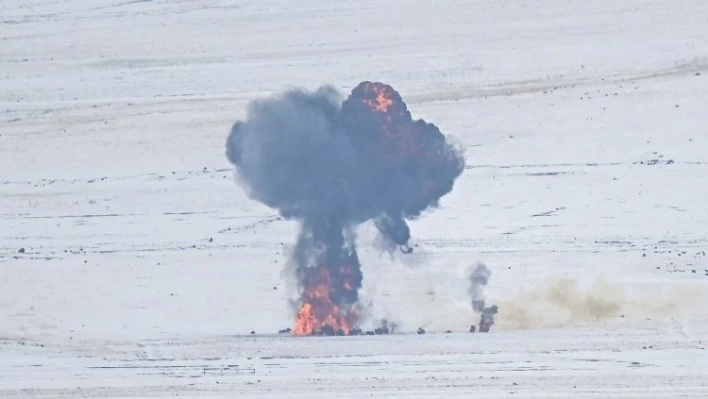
{"points": [[305, 323], [318, 310], [381, 100], [399, 133]]}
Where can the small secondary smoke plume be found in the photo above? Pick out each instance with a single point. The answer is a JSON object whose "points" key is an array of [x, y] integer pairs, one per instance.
{"points": [[478, 280], [333, 165]]}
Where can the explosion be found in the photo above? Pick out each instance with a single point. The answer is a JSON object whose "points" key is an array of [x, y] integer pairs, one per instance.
{"points": [[333, 165]]}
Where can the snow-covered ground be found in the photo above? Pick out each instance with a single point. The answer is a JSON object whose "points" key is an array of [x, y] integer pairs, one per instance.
{"points": [[145, 267]]}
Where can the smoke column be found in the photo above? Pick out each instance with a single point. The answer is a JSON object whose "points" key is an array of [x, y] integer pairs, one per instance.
{"points": [[333, 165], [479, 278]]}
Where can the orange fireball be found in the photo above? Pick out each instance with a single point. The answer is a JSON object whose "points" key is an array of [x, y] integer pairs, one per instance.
{"points": [[379, 96], [319, 310]]}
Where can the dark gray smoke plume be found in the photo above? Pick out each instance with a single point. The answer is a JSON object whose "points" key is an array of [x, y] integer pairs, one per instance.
{"points": [[333, 165], [479, 278]]}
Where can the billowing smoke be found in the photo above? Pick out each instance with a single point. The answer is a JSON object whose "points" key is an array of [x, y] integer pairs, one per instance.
{"points": [[333, 165], [479, 278]]}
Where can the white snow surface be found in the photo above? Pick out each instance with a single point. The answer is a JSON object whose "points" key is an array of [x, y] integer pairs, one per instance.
{"points": [[145, 266]]}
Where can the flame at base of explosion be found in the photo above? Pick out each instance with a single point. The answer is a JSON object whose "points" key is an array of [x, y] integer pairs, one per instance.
{"points": [[320, 313]]}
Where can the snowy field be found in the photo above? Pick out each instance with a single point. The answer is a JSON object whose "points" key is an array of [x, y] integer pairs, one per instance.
{"points": [[133, 266]]}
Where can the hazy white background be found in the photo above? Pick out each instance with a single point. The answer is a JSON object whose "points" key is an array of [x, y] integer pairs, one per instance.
{"points": [[584, 125]]}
